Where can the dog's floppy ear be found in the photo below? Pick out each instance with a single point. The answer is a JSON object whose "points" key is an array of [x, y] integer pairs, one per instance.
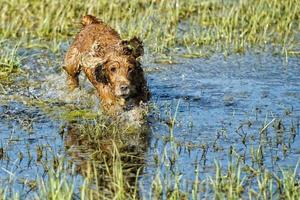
{"points": [[100, 74], [97, 66], [134, 46]]}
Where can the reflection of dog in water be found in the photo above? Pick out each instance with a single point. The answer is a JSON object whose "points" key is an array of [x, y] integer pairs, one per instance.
{"points": [[111, 65], [101, 158]]}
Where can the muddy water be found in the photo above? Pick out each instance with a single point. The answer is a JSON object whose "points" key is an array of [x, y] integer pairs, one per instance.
{"points": [[223, 109]]}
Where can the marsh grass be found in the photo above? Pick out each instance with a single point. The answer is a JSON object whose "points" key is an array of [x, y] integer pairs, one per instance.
{"points": [[165, 26], [110, 166], [74, 115], [58, 185], [102, 180], [10, 60], [108, 170], [234, 183], [112, 157], [3, 195], [290, 185], [228, 183]]}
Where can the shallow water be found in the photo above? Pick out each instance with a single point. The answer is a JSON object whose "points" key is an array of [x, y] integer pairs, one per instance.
{"points": [[223, 108], [223, 101]]}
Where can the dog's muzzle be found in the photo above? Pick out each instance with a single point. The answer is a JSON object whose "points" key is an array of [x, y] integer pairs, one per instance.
{"points": [[123, 91]]}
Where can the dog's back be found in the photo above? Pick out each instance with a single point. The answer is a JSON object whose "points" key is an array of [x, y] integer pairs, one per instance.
{"points": [[93, 30]]}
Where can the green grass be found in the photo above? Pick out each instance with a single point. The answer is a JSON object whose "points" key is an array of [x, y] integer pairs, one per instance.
{"points": [[213, 25], [10, 61], [58, 186], [234, 183]]}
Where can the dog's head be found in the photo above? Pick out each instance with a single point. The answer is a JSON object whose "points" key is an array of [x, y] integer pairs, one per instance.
{"points": [[119, 68]]}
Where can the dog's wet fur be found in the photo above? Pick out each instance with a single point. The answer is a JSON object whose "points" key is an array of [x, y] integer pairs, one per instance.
{"points": [[111, 65]]}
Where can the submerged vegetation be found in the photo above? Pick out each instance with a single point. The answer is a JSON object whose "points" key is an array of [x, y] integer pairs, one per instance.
{"points": [[224, 26]]}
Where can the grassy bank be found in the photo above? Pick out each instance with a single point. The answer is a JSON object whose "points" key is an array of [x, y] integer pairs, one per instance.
{"points": [[213, 25]]}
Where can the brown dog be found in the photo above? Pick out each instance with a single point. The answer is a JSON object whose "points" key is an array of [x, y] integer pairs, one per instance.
{"points": [[110, 63]]}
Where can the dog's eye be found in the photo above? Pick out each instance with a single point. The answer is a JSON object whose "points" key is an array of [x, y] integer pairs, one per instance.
{"points": [[113, 69], [130, 69]]}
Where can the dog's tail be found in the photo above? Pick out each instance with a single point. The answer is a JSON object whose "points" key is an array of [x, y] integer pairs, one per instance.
{"points": [[89, 19]]}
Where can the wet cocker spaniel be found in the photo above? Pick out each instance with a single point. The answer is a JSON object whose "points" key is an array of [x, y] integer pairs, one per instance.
{"points": [[111, 65]]}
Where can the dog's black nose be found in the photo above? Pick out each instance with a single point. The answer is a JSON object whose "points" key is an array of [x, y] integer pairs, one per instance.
{"points": [[124, 88]]}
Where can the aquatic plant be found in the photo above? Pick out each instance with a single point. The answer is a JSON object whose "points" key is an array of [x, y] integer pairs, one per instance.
{"points": [[57, 186]]}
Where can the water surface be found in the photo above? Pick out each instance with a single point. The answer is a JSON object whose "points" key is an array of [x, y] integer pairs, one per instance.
{"points": [[224, 108]]}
